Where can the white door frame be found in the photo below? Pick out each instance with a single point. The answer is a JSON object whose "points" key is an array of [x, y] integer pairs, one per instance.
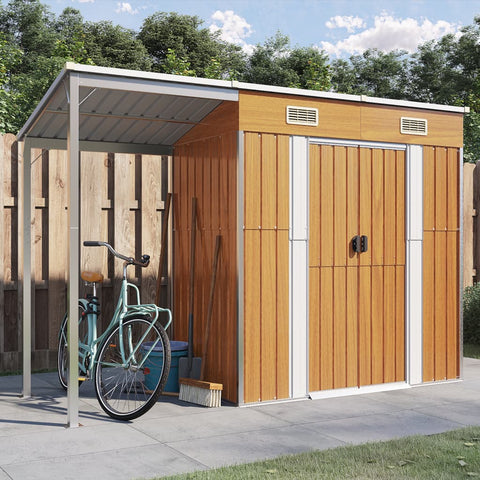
{"points": [[299, 286]]}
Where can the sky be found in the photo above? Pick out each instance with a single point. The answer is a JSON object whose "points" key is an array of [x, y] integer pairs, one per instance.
{"points": [[339, 27]]}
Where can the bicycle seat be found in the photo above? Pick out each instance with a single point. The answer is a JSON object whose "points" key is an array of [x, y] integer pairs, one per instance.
{"points": [[92, 277]]}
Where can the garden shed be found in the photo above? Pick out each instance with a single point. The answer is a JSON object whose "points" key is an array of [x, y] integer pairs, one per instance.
{"points": [[340, 264]]}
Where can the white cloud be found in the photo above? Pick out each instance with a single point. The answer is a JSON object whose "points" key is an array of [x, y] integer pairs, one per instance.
{"points": [[348, 22], [86, 1], [125, 7], [389, 33], [233, 28]]}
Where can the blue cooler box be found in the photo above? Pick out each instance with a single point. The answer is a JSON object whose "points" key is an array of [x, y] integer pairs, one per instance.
{"points": [[178, 349]]}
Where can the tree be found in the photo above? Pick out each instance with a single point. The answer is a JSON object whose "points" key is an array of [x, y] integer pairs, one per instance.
{"points": [[276, 63], [162, 33], [29, 25], [373, 73], [10, 57], [111, 45]]}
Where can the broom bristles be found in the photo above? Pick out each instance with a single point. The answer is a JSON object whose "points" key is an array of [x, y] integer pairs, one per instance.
{"points": [[207, 394]]}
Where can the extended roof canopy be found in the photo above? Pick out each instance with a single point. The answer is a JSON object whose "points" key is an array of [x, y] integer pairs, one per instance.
{"points": [[141, 111]]}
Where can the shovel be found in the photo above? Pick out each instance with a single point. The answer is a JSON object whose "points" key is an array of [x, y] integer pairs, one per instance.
{"points": [[190, 366]]}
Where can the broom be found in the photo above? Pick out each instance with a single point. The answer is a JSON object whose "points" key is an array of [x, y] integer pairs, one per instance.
{"points": [[208, 394]]}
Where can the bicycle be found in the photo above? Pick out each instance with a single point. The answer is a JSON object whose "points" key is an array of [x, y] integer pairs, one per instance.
{"points": [[130, 360]]}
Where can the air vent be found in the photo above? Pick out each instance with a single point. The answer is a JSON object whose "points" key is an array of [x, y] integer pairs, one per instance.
{"points": [[302, 116], [413, 126]]}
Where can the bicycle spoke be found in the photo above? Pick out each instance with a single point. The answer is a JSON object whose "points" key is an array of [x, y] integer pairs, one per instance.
{"points": [[119, 382]]}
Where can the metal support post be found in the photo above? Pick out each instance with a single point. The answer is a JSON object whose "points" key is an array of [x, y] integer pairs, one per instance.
{"points": [[27, 270], [73, 159]]}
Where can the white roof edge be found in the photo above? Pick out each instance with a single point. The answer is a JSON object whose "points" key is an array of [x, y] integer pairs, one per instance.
{"points": [[43, 103], [120, 72], [233, 84]]}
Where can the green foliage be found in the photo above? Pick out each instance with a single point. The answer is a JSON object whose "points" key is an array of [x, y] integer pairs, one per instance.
{"points": [[276, 63], [177, 66], [111, 45], [10, 57], [162, 33], [373, 73], [471, 314]]}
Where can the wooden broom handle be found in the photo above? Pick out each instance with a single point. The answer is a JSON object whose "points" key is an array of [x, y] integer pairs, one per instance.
{"points": [[192, 283], [210, 304], [163, 248]]}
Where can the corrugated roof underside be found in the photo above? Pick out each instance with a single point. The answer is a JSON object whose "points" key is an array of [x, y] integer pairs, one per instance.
{"points": [[123, 116]]}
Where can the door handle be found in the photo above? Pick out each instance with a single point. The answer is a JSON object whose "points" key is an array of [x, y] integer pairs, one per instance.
{"points": [[356, 244], [364, 243]]}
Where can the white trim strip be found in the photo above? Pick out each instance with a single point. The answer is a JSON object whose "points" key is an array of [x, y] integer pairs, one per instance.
{"points": [[414, 265], [356, 143], [346, 392], [298, 266]]}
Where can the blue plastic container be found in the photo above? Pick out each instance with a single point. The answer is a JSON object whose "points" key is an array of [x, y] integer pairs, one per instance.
{"points": [[178, 349]]}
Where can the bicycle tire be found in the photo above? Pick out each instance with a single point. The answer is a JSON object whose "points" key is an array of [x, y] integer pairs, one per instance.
{"points": [[121, 389], [62, 355]]}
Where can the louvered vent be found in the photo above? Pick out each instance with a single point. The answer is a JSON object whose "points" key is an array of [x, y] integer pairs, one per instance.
{"points": [[413, 126], [302, 116]]}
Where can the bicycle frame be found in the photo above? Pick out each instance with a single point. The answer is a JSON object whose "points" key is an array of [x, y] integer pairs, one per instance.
{"points": [[123, 310]]}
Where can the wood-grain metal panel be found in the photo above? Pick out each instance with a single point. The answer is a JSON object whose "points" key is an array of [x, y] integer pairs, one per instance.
{"points": [[356, 304], [266, 209], [441, 264], [266, 112], [206, 169]]}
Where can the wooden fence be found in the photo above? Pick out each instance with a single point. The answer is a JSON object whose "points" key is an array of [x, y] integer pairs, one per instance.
{"points": [[471, 223], [121, 203]]}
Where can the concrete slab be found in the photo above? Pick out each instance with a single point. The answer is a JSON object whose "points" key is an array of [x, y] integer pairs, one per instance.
{"points": [[465, 413], [309, 411], [176, 437], [63, 441], [127, 463], [229, 420], [382, 427], [248, 447]]}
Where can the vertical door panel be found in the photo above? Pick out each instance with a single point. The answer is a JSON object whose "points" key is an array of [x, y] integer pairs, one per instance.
{"points": [[356, 304]]}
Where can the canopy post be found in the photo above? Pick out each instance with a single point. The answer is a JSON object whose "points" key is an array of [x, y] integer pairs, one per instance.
{"points": [[73, 159], [27, 270]]}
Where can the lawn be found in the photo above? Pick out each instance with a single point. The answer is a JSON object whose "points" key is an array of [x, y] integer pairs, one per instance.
{"points": [[450, 455]]}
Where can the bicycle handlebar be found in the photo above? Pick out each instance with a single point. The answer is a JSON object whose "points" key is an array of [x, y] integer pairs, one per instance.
{"points": [[143, 262]]}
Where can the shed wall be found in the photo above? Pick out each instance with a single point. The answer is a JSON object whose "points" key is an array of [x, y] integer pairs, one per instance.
{"points": [[441, 253], [266, 268], [205, 167], [264, 112]]}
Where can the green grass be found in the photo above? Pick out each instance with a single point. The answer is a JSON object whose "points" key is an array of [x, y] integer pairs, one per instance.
{"points": [[448, 455], [470, 350]]}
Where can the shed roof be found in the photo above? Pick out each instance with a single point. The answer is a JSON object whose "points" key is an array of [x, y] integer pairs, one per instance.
{"points": [[152, 109]]}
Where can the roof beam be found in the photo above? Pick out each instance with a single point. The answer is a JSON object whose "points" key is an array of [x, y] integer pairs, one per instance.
{"points": [[144, 85], [109, 147]]}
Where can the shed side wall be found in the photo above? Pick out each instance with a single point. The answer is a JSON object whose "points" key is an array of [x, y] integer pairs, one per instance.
{"points": [[205, 167], [266, 254], [441, 264]]}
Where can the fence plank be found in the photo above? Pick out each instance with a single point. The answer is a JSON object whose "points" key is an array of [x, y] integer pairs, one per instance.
{"points": [[468, 221]]}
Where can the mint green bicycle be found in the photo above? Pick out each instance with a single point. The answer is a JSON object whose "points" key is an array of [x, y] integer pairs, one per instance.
{"points": [[130, 361]]}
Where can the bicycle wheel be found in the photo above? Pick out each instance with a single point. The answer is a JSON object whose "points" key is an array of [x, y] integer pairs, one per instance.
{"points": [[127, 390], [62, 356]]}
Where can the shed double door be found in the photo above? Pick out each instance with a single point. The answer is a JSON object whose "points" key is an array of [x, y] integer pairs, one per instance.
{"points": [[356, 299]]}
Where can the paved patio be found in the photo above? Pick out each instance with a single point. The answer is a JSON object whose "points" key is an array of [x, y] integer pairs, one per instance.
{"points": [[176, 437]]}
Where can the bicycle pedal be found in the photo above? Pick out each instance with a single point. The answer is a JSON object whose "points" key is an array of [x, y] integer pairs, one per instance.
{"points": [[82, 379]]}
